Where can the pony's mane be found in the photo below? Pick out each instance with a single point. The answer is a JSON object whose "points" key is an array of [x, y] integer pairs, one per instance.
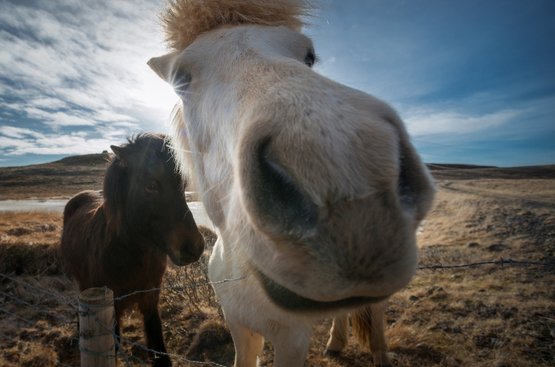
{"points": [[185, 20], [116, 179], [141, 141]]}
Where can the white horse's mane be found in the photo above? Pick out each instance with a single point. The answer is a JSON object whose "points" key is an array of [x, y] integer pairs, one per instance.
{"points": [[185, 20]]}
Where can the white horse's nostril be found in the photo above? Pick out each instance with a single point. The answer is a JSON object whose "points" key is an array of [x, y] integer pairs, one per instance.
{"points": [[404, 189], [414, 187], [278, 205]]}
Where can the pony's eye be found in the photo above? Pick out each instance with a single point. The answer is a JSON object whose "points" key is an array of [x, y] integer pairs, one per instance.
{"points": [[310, 58], [152, 187]]}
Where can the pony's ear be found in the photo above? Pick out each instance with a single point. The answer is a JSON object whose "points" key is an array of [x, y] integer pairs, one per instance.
{"points": [[119, 152], [163, 65]]}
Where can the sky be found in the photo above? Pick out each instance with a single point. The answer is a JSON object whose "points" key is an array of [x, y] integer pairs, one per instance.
{"points": [[473, 80]]}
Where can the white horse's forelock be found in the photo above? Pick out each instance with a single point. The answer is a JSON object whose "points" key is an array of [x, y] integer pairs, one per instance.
{"points": [[184, 20]]}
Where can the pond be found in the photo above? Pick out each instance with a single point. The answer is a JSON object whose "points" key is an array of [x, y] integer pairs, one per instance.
{"points": [[57, 205]]}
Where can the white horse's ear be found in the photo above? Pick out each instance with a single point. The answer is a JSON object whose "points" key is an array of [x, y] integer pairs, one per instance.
{"points": [[163, 65]]}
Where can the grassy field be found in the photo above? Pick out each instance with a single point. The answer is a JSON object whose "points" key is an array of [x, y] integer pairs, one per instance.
{"points": [[62, 178], [500, 314]]}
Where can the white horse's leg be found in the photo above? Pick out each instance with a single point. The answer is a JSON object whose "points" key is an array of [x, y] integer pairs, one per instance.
{"points": [[248, 345], [339, 334], [368, 327], [378, 344], [291, 350]]}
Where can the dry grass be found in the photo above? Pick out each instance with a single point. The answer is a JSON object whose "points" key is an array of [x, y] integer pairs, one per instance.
{"points": [[28, 243], [477, 316]]}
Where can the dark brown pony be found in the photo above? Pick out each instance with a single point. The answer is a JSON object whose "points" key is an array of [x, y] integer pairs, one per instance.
{"points": [[121, 239]]}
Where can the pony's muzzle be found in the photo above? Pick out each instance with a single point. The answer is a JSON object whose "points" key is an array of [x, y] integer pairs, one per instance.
{"points": [[186, 247]]}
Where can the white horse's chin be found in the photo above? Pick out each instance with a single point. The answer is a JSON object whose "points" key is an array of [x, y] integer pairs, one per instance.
{"points": [[300, 273], [337, 288], [287, 299]]}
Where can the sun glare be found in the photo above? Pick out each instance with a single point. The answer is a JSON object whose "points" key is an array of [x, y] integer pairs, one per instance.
{"points": [[154, 92]]}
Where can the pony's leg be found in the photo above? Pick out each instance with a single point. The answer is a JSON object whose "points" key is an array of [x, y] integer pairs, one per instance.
{"points": [[248, 345], [339, 334], [153, 330], [117, 327]]}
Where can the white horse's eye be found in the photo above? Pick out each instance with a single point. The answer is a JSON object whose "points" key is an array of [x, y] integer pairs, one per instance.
{"points": [[310, 58], [180, 82]]}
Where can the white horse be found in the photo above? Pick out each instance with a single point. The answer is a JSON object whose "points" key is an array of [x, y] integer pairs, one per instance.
{"points": [[314, 187]]}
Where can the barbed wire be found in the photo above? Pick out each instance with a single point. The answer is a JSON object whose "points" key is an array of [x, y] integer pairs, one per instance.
{"points": [[172, 355], [17, 316], [120, 340], [127, 357], [72, 301], [31, 323], [502, 262], [177, 288]]}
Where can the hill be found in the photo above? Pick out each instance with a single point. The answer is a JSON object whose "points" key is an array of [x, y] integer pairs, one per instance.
{"points": [[84, 160], [64, 177], [70, 175], [471, 172]]}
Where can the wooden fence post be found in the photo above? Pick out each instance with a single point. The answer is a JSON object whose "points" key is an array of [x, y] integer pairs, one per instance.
{"points": [[96, 327]]}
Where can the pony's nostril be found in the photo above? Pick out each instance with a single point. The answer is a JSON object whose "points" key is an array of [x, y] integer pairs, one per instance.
{"points": [[189, 257], [199, 248], [191, 252]]}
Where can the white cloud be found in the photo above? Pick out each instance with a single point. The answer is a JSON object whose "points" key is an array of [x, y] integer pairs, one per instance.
{"points": [[48, 102], [433, 122], [330, 60], [17, 141], [82, 65], [114, 117], [18, 132], [59, 118]]}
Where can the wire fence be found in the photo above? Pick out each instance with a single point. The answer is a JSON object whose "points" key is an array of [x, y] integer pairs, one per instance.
{"points": [[24, 300], [44, 302], [501, 262]]}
